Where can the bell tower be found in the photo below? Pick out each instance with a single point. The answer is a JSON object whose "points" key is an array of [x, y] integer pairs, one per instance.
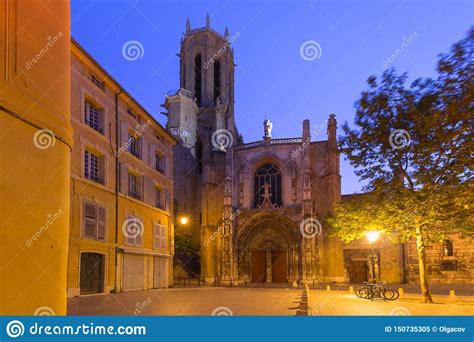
{"points": [[200, 112]]}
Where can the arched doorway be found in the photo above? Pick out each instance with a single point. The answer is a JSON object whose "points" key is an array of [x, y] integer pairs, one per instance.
{"points": [[268, 249]]}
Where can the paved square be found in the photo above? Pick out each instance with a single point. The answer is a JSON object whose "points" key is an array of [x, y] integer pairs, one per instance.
{"points": [[254, 301]]}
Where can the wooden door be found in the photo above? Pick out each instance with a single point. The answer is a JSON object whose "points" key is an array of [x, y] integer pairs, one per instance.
{"points": [[258, 267], [92, 277], [358, 272], [279, 267], [160, 273]]}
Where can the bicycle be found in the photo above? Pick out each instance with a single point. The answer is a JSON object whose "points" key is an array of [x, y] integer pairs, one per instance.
{"points": [[377, 290]]}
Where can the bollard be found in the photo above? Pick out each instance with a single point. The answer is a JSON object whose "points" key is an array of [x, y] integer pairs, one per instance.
{"points": [[351, 288], [452, 296], [328, 287], [294, 284], [400, 291]]}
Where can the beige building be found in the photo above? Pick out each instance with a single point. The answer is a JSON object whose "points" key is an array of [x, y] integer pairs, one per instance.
{"points": [[121, 230]]}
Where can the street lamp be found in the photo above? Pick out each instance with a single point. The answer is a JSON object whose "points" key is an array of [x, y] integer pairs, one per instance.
{"points": [[183, 220], [373, 236]]}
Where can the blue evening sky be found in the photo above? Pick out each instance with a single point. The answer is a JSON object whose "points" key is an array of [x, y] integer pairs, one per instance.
{"points": [[357, 39]]}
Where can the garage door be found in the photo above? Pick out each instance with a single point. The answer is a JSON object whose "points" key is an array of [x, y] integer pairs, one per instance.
{"points": [[160, 273], [133, 272]]}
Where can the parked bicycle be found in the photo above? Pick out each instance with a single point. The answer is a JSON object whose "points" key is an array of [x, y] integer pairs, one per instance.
{"points": [[377, 290]]}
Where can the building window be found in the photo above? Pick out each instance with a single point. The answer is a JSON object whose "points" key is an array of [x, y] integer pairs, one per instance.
{"points": [[134, 230], [134, 143], [93, 117], [267, 183], [133, 186], [160, 163], [133, 114], [159, 236], [448, 248], [449, 265], [197, 79], [94, 167], [99, 83], [159, 198], [94, 221], [217, 80]]}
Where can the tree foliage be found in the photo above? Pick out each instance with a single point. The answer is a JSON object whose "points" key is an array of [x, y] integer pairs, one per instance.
{"points": [[413, 147]]}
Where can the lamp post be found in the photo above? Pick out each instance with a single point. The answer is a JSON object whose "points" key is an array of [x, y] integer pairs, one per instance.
{"points": [[373, 236]]}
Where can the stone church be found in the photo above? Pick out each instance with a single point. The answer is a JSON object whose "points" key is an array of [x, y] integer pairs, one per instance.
{"points": [[255, 209]]}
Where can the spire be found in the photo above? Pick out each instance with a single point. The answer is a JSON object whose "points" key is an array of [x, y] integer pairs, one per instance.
{"points": [[332, 126], [226, 33], [208, 21], [188, 25]]}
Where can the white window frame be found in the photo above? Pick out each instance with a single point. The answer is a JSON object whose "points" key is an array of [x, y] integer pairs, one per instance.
{"points": [[90, 108]]}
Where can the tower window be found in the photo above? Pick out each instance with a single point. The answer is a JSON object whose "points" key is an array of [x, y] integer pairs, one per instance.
{"points": [[267, 182], [197, 78], [217, 80]]}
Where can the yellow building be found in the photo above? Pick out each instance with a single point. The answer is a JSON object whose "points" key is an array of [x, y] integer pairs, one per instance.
{"points": [[36, 143], [121, 230]]}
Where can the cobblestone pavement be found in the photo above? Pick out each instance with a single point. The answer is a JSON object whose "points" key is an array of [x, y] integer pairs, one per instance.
{"points": [[256, 301]]}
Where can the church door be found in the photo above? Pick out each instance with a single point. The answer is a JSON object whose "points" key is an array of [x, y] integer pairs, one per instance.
{"points": [[358, 271], [258, 267], [279, 267]]}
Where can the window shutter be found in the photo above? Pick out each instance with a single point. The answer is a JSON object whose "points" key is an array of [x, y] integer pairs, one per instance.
{"points": [[124, 134], [152, 156], [90, 215], [163, 235], [124, 178], [156, 230], [163, 163], [101, 224]]}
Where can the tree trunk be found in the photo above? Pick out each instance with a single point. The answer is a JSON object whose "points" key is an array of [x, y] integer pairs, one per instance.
{"points": [[420, 246]]}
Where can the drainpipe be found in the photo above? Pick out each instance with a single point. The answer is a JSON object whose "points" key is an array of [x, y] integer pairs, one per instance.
{"points": [[117, 183]]}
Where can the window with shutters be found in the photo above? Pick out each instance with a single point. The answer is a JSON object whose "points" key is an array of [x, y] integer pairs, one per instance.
{"points": [[159, 236], [94, 166], [134, 186], [98, 82], [159, 198], [160, 163], [93, 116], [134, 144], [94, 221], [134, 230]]}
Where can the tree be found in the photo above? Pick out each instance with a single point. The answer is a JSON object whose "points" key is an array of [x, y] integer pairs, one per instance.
{"points": [[412, 146]]}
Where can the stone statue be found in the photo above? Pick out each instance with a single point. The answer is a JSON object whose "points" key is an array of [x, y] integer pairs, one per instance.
{"points": [[267, 127]]}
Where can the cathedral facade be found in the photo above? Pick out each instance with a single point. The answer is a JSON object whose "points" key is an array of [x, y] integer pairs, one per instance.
{"points": [[255, 209]]}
